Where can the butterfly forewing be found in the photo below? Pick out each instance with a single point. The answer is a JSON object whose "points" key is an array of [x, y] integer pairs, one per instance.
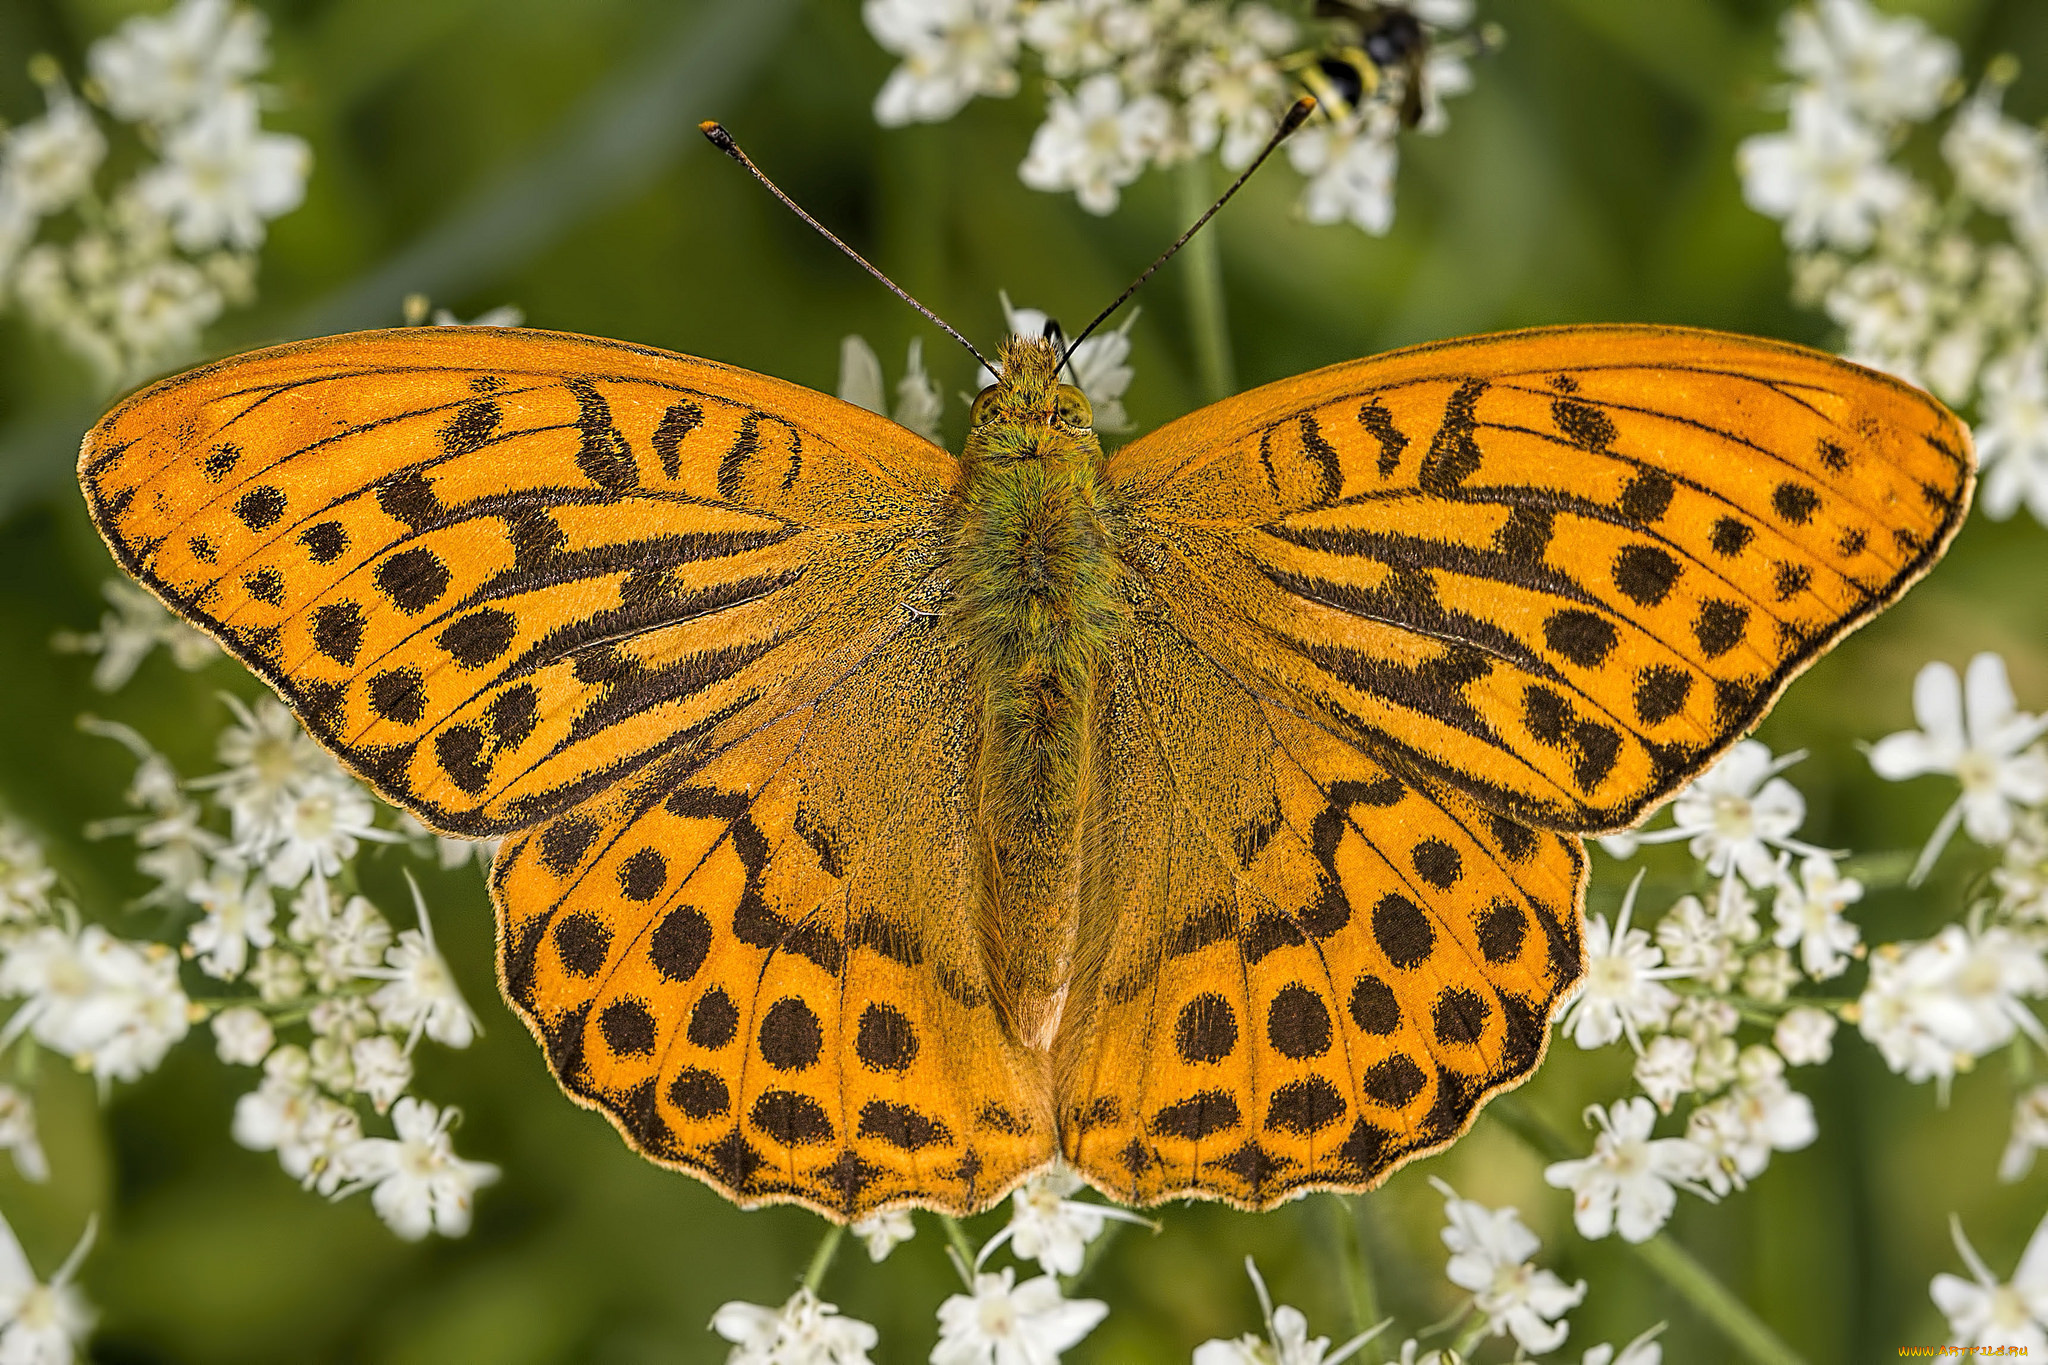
{"points": [[497, 571], [1559, 570]]}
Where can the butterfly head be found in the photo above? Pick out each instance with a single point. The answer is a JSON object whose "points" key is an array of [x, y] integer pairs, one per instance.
{"points": [[1028, 413]]}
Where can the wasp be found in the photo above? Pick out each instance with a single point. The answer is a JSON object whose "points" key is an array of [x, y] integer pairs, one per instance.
{"points": [[1381, 38]]}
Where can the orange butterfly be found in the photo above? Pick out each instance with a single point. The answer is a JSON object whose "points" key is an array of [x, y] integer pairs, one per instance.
{"points": [[884, 825]]}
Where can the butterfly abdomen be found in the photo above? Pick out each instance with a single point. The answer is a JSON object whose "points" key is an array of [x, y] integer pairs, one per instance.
{"points": [[1035, 604]]}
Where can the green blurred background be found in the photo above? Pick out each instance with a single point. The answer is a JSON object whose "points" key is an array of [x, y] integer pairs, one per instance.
{"points": [[544, 154]]}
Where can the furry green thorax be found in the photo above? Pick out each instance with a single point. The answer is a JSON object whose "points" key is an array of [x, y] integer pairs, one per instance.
{"points": [[1037, 601]]}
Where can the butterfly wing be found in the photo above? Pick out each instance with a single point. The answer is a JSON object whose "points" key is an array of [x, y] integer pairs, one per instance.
{"points": [[1302, 967], [1557, 570], [1401, 620], [763, 965], [497, 570], [666, 616]]}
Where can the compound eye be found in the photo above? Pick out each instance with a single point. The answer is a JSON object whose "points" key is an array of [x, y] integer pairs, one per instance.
{"points": [[984, 409], [1073, 408]]}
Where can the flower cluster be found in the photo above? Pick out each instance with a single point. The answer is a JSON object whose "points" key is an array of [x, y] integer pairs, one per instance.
{"points": [[1934, 1007], [127, 276], [1139, 83], [258, 859], [1945, 286], [1684, 991], [996, 1321]]}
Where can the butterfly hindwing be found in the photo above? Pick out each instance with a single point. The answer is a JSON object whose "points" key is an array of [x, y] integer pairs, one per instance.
{"points": [[1302, 968], [1560, 570], [761, 962], [497, 570]]}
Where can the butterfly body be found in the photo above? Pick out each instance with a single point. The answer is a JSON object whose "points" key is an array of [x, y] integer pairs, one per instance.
{"points": [[881, 826], [1036, 601]]}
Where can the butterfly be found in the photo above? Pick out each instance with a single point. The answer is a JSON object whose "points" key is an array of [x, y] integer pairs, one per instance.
{"points": [[881, 826]]}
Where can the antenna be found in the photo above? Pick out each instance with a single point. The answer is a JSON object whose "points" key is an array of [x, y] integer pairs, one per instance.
{"points": [[1294, 118], [722, 140]]}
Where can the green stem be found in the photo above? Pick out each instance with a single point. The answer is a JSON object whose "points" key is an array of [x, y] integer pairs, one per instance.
{"points": [[1664, 1257], [1201, 264], [963, 1250], [1353, 1262], [821, 1259]]}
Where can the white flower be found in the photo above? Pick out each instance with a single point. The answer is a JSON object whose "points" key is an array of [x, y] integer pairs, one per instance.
{"points": [[25, 879], [1885, 311], [1004, 1323], [1998, 161], [1049, 1228], [1988, 1313], [137, 624], [420, 994], [952, 50], [1809, 914], [239, 909], [1736, 812], [1909, 1011], [174, 849], [42, 1324], [1704, 1019], [2012, 434], [1665, 1070], [278, 976], [2022, 881], [1709, 942], [1099, 366], [47, 163], [1769, 976], [1771, 1115], [1624, 990], [265, 756], [160, 309], [1286, 1342], [1885, 69], [1805, 1036], [1095, 141], [378, 1068], [419, 1184], [1719, 1063], [1076, 36], [1234, 95], [243, 1036], [803, 1331], [1932, 1007], [311, 1134], [222, 176], [918, 403], [162, 68], [1350, 165], [884, 1232], [113, 1007], [342, 944], [1826, 177], [18, 1134], [1643, 1350], [2029, 1134], [1490, 1255], [321, 828], [1629, 1179], [1972, 730]]}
